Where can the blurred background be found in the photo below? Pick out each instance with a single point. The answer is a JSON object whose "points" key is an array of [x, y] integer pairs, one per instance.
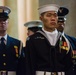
{"points": [[23, 11]]}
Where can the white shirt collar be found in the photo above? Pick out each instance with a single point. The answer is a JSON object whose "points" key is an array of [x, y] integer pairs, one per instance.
{"points": [[52, 36], [5, 37], [63, 33]]}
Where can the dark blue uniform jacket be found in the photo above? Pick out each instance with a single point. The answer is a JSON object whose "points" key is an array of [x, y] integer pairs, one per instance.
{"points": [[72, 41], [11, 56]]}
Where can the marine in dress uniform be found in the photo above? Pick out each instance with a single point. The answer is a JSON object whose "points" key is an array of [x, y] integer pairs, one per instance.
{"points": [[11, 52], [48, 52], [63, 11], [33, 26]]}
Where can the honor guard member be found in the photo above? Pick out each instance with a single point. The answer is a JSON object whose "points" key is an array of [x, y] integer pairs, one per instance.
{"points": [[10, 48], [47, 51], [33, 26], [62, 13]]}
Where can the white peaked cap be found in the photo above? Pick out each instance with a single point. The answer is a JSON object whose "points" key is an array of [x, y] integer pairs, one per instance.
{"points": [[34, 23], [48, 7], [5, 9]]}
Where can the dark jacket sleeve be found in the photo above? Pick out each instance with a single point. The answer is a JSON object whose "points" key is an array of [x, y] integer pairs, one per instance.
{"points": [[30, 59]]}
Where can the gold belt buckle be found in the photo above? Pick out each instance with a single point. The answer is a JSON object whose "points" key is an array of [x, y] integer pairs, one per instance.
{"points": [[3, 72], [53, 73]]}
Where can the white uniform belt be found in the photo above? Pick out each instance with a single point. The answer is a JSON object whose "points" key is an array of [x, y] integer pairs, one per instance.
{"points": [[7, 72], [49, 73]]}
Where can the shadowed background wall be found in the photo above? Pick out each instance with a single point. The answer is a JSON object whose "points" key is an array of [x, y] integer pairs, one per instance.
{"points": [[26, 10]]}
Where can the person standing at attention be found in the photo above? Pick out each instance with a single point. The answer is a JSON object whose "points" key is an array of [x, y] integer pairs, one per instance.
{"points": [[11, 49], [62, 17], [47, 52]]}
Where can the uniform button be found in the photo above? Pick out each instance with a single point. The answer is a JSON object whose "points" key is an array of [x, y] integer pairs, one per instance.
{"points": [[4, 64], [4, 55]]}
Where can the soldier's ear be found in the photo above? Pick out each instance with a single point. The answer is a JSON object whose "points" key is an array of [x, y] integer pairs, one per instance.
{"points": [[40, 18]]}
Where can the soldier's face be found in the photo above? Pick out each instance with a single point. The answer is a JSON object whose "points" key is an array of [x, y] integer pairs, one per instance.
{"points": [[61, 25], [49, 20], [3, 24]]}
